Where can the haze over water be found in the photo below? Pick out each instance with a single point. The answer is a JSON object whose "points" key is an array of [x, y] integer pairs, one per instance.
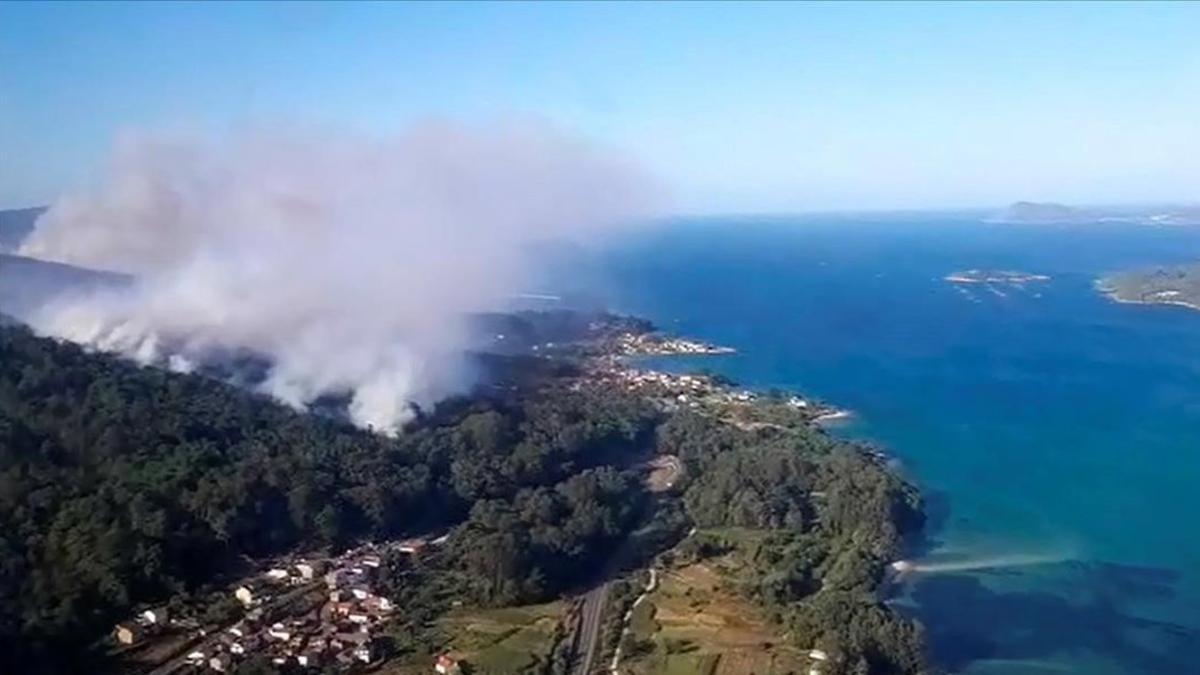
{"points": [[1048, 428]]}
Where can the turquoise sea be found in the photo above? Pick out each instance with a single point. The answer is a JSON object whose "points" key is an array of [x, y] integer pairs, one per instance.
{"points": [[1054, 433]]}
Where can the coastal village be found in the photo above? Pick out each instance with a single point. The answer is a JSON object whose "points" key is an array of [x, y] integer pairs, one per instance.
{"points": [[647, 344], [307, 613], [709, 394]]}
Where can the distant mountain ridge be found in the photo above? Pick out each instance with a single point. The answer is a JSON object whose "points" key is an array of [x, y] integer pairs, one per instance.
{"points": [[1052, 213], [27, 283], [16, 224]]}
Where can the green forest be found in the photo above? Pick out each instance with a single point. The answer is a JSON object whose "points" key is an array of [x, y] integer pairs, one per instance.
{"points": [[122, 485], [833, 520]]}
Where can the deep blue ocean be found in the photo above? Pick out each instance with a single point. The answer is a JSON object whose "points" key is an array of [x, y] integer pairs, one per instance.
{"points": [[1055, 434]]}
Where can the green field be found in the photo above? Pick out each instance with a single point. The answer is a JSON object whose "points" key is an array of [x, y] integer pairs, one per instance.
{"points": [[503, 641], [691, 624]]}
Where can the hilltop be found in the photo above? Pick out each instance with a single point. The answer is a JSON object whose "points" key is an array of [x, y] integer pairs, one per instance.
{"points": [[27, 283], [1039, 213], [16, 224]]}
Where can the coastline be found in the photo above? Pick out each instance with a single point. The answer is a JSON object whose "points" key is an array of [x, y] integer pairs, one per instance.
{"points": [[698, 391], [964, 437], [764, 430], [1114, 295], [832, 416], [716, 396], [1169, 303]]}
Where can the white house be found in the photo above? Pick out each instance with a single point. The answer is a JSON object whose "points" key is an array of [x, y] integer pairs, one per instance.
{"points": [[245, 595], [363, 653], [308, 570], [155, 616], [220, 663]]}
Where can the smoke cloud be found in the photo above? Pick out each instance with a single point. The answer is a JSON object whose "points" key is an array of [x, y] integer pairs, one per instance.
{"points": [[349, 261]]}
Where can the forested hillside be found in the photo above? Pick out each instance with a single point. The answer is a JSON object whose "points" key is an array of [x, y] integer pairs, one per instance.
{"points": [[827, 520], [121, 484]]}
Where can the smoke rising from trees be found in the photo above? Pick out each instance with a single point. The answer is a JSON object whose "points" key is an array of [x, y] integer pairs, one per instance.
{"points": [[350, 261]]}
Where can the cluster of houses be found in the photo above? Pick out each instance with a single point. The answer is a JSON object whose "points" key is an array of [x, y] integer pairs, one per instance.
{"points": [[652, 344], [311, 613], [690, 391], [148, 622], [684, 390], [340, 629], [308, 613]]}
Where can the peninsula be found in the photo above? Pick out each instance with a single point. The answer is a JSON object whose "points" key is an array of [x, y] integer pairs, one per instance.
{"points": [[1172, 285], [1050, 213], [656, 344]]}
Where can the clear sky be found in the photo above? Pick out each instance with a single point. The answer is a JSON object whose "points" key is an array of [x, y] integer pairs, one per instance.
{"points": [[738, 107]]}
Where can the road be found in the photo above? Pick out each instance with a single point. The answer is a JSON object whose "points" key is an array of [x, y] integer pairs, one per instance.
{"points": [[591, 616]]}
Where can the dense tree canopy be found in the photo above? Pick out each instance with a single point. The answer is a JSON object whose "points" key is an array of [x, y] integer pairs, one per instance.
{"points": [[833, 519], [121, 484]]}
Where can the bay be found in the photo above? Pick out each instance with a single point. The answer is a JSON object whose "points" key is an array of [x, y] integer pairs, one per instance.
{"points": [[1055, 434]]}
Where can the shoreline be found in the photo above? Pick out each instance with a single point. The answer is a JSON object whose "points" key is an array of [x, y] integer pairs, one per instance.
{"points": [[705, 392], [1173, 285], [833, 415], [1168, 303], [1114, 295], [766, 420]]}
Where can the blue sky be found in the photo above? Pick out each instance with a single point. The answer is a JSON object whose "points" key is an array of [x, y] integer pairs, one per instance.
{"points": [[738, 107]]}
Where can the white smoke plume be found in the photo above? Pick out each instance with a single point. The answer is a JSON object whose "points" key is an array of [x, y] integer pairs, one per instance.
{"points": [[349, 260]]}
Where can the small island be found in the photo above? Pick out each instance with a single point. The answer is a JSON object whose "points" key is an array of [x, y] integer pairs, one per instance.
{"points": [[1174, 285], [1051, 213], [993, 277], [1039, 213]]}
